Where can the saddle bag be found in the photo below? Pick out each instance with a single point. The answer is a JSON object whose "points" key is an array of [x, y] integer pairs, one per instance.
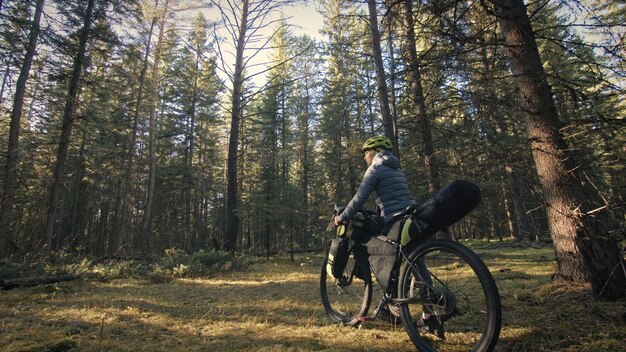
{"points": [[448, 206]]}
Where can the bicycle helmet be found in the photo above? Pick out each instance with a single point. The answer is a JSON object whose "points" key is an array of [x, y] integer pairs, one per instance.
{"points": [[377, 142]]}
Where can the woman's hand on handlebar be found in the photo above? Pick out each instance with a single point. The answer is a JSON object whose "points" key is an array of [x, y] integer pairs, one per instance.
{"points": [[339, 222]]}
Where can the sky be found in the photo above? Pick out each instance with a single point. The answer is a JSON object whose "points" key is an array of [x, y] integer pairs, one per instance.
{"points": [[303, 18]]}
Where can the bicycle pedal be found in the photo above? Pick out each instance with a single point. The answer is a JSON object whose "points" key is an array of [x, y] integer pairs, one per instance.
{"points": [[363, 318]]}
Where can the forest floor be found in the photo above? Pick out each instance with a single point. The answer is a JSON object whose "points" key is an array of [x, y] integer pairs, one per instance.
{"points": [[274, 305]]}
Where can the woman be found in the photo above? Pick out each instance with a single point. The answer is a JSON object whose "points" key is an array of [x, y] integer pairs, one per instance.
{"points": [[387, 181], [384, 178]]}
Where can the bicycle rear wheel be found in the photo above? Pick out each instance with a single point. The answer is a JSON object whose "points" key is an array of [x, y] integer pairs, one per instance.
{"points": [[347, 298], [451, 283]]}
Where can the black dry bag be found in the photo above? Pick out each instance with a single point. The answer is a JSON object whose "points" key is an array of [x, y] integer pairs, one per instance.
{"points": [[337, 257], [448, 206]]}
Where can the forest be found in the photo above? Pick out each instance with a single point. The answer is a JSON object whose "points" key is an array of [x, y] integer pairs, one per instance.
{"points": [[133, 127]]}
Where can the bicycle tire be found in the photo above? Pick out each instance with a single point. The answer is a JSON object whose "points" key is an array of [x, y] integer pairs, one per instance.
{"points": [[345, 301], [462, 295]]}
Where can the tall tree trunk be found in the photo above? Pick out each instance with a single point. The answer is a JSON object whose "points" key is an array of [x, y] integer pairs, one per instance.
{"points": [[146, 220], [190, 199], [66, 129], [119, 221], [339, 163], [417, 94], [383, 96], [584, 253], [280, 114], [78, 213], [392, 71], [370, 106], [509, 212], [521, 220], [10, 169], [305, 167], [5, 77], [232, 230], [268, 217]]}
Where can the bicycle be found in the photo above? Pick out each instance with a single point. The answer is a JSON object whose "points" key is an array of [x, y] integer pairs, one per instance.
{"points": [[439, 277]]}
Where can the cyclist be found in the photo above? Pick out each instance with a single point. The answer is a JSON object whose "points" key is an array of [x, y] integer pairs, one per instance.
{"points": [[384, 178]]}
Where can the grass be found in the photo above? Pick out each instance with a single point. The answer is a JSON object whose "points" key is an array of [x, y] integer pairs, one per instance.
{"points": [[274, 306]]}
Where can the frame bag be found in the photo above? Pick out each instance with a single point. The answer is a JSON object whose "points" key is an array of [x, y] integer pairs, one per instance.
{"points": [[382, 258]]}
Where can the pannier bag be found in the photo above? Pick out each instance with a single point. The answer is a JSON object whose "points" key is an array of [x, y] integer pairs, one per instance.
{"points": [[448, 206], [363, 226], [382, 257], [337, 257]]}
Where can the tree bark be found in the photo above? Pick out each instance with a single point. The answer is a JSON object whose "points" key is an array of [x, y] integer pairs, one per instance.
{"points": [[66, 129], [383, 96], [146, 220], [584, 253], [417, 94], [5, 78], [305, 169], [392, 72], [508, 211], [232, 230], [191, 216], [10, 170], [521, 220]]}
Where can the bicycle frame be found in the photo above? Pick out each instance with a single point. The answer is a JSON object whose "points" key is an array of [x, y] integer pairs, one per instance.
{"points": [[438, 281], [388, 298]]}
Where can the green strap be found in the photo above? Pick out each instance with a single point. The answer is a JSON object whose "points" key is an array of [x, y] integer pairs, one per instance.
{"points": [[341, 230], [405, 237]]}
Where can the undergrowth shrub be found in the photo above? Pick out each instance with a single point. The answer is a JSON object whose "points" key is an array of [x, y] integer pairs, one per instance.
{"points": [[11, 270], [177, 263], [174, 263]]}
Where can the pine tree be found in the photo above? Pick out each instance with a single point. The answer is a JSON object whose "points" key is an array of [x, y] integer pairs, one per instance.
{"points": [[381, 81], [583, 251], [10, 174], [302, 107], [68, 121]]}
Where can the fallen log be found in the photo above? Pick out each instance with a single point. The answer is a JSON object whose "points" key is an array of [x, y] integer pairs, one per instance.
{"points": [[307, 250], [275, 252], [9, 284]]}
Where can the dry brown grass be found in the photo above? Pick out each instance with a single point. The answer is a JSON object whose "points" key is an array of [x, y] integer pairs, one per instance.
{"points": [[274, 306]]}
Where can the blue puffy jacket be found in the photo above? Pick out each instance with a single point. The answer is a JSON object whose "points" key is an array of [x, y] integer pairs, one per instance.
{"points": [[387, 181]]}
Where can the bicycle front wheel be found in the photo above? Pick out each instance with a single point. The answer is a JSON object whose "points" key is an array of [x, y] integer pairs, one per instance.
{"points": [[450, 284], [349, 297]]}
